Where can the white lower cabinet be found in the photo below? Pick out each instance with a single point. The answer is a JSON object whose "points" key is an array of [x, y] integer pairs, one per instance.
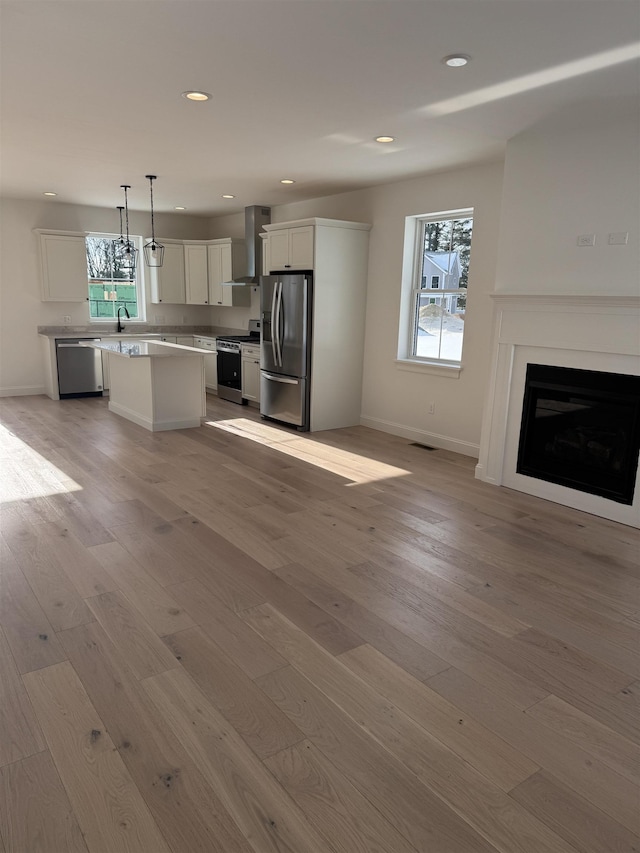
{"points": [[185, 340], [251, 374], [210, 361]]}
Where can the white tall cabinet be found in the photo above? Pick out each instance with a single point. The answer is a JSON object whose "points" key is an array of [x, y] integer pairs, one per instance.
{"points": [[337, 253]]}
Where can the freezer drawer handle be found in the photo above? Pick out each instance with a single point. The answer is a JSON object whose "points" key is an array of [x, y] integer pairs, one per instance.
{"points": [[283, 379]]}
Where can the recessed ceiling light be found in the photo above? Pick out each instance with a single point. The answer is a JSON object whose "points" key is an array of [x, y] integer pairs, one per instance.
{"points": [[196, 96], [179, 208], [287, 181], [227, 195], [456, 60], [49, 194], [385, 138]]}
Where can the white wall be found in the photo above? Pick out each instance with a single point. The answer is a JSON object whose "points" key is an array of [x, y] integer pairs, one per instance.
{"points": [[21, 311], [393, 399], [574, 174]]}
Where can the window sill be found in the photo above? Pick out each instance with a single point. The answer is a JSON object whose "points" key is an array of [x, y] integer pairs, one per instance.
{"points": [[451, 371]]}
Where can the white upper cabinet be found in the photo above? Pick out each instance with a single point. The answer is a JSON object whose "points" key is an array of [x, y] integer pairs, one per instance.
{"points": [[168, 281], [63, 263], [196, 273], [291, 248], [226, 259]]}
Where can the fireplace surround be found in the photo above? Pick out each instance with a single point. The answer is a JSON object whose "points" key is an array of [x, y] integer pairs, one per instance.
{"points": [[585, 334]]}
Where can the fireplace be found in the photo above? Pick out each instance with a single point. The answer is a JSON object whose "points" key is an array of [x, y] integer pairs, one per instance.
{"points": [[561, 420], [581, 429]]}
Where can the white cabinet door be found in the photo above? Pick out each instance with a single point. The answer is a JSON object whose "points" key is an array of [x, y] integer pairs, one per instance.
{"points": [[266, 264], [169, 339], [278, 249], [251, 374], [301, 247], [226, 262], [216, 268], [168, 281], [196, 274], [210, 361], [291, 248], [63, 259]]}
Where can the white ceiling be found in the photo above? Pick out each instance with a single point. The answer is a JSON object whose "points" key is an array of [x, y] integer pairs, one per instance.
{"points": [[91, 91]]}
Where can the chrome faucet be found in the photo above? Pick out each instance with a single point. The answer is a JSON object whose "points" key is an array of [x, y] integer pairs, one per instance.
{"points": [[120, 326]]}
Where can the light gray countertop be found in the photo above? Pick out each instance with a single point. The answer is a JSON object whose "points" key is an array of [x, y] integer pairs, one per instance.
{"points": [[144, 349], [135, 330]]}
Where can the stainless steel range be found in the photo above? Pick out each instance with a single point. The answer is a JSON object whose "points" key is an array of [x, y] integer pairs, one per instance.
{"points": [[229, 362]]}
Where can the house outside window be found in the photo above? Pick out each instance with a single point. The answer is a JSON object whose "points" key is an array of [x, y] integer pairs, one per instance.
{"points": [[111, 286], [442, 248]]}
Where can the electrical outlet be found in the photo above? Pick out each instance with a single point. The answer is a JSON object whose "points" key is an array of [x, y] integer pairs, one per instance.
{"points": [[66, 319], [432, 408], [159, 319], [586, 240], [184, 318], [619, 238]]}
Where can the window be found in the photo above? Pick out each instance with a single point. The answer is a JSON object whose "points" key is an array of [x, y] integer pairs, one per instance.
{"points": [[110, 286], [442, 246]]}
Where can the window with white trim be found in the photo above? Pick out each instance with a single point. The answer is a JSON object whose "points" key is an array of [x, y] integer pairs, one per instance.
{"points": [[442, 248], [110, 285]]}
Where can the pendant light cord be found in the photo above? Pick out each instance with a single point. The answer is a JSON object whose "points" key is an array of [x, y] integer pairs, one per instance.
{"points": [[126, 209], [153, 231]]}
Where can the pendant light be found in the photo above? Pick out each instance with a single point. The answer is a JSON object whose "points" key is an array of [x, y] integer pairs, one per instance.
{"points": [[153, 251], [129, 252], [118, 245]]}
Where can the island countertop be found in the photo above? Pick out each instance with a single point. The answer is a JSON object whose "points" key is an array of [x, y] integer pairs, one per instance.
{"points": [[144, 349]]}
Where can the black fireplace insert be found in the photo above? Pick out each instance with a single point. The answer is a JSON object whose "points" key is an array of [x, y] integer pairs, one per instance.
{"points": [[581, 429]]}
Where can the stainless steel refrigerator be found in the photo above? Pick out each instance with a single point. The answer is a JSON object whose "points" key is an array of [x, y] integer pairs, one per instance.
{"points": [[286, 304]]}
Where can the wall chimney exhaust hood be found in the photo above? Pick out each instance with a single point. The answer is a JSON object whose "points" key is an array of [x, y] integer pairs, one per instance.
{"points": [[255, 217]]}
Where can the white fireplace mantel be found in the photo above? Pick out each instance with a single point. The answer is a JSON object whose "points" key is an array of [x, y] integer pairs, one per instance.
{"points": [[585, 332]]}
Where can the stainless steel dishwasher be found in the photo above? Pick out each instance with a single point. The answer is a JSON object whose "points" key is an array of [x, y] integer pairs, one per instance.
{"points": [[79, 368]]}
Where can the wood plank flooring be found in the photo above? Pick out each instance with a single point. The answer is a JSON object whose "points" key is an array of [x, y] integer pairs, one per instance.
{"points": [[242, 639]]}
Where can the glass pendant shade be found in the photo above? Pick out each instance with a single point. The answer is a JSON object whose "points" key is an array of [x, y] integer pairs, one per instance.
{"points": [[153, 251], [129, 259], [124, 249]]}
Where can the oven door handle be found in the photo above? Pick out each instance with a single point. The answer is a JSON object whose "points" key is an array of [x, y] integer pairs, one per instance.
{"points": [[285, 380]]}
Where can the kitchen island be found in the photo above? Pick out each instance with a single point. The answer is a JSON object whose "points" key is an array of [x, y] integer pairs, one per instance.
{"points": [[157, 385]]}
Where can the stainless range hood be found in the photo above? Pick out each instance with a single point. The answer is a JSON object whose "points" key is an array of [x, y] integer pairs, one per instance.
{"points": [[255, 217]]}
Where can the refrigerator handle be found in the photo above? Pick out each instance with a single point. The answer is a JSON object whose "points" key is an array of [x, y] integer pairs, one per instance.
{"points": [[274, 317], [284, 380], [279, 330]]}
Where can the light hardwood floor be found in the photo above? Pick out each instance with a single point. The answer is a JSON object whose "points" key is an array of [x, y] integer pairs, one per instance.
{"points": [[241, 639]]}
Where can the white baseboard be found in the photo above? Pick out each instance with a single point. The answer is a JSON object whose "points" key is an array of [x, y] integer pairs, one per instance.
{"points": [[22, 391], [147, 423], [434, 439], [481, 474]]}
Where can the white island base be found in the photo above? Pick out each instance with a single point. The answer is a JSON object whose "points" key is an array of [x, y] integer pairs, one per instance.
{"points": [[158, 393], [157, 385]]}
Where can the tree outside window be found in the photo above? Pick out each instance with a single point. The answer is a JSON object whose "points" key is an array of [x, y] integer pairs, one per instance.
{"points": [[443, 249], [110, 285]]}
